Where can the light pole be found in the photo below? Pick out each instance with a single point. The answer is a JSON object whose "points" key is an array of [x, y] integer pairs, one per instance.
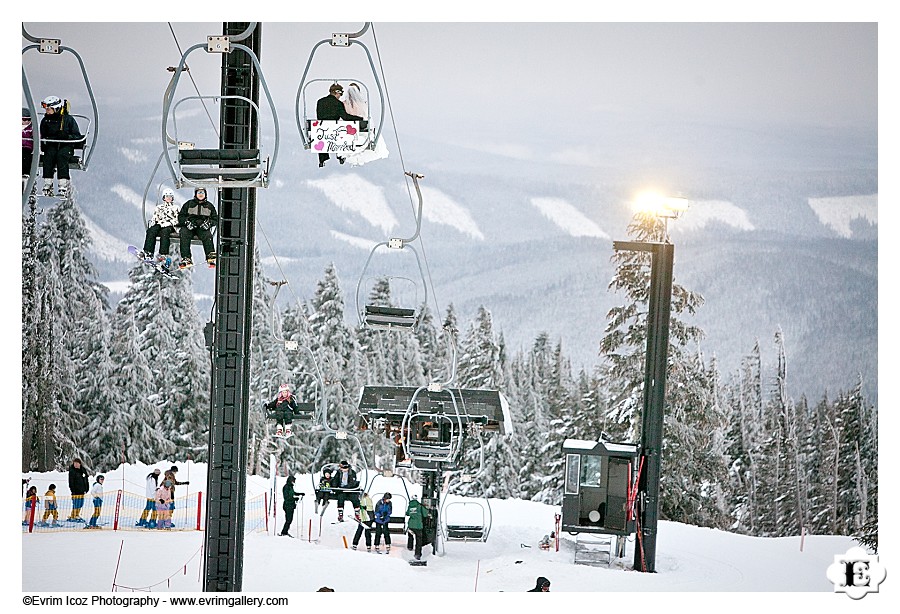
{"points": [[658, 311]]}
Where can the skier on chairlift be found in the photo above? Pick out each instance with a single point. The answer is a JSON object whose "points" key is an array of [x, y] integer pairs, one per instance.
{"points": [[282, 409], [59, 134], [162, 225]]}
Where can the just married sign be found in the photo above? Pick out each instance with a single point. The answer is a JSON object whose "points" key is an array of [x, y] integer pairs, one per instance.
{"points": [[334, 136]]}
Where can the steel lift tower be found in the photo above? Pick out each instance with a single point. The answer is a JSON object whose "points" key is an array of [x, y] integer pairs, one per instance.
{"points": [[230, 349]]}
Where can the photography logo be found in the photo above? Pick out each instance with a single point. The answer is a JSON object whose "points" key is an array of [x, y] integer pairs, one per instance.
{"points": [[856, 573]]}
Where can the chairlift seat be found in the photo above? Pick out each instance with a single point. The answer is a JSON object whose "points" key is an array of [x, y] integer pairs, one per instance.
{"points": [[465, 531], [76, 162], [305, 411], [222, 164], [390, 317]]}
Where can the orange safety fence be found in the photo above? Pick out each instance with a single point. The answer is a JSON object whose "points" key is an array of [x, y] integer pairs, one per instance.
{"points": [[126, 511]]}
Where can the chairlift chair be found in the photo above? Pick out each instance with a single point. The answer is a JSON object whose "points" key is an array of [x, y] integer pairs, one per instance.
{"points": [[389, 317], [215, 167], [460, 523], [84, 148], [314, 133], [318, 467]]}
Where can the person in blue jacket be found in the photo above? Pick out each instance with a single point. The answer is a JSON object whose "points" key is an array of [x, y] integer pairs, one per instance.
{"points": [[383, 510]]}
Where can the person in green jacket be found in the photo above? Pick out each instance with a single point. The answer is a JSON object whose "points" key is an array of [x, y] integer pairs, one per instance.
{"points": [[289, 505], [366, 519], [415, 526]]}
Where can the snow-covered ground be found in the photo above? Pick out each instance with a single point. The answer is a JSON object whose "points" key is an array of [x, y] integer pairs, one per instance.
{"points": [[698, 561]]}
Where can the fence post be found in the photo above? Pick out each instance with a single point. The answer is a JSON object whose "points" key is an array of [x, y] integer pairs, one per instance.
{"points": [[199, 499], [118, 505]]}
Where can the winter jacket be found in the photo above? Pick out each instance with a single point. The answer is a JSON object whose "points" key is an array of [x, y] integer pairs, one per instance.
{"points": [[345, 479], [78, 480], [50, 499], [152, 485], [383, 510], [166, 215], [197, 214], [541, 581], [366, 511], [97, 491], [330, 107], [28, 137], [163, 497], [170, 475], [326, 483], [282, 410], [417, 514], [60, 127], [290, 497]]}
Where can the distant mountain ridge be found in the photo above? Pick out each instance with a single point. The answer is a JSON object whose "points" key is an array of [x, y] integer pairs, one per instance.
{"points": [[782, 231]]}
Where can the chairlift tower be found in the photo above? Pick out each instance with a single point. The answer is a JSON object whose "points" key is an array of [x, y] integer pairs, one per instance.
{"points": [[659, 309], [230, 347]]}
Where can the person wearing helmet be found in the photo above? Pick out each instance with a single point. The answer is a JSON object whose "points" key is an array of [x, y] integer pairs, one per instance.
{"points": [[281, 409], [59, 136], [196, 219], [162, 225]]}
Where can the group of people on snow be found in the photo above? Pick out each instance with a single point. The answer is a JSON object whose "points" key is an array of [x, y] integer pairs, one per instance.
{"points": [[157, 512], [372, 518]]}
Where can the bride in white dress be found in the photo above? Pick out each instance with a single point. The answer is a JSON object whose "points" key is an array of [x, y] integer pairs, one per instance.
{"points": [[356, 104]]}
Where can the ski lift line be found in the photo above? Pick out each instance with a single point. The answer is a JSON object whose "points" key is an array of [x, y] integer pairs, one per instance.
{"points": [[191, 77], [89, 149]]}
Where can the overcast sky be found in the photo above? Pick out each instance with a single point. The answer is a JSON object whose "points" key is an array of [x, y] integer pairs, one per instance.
{"points": [[815, 73]]}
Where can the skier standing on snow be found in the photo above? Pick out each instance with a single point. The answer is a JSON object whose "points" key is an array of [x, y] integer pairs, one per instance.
{"points": [[78, 487], [162, 225], [97, 496], [31, 500], [196, 219], [289, 505], [281, 409], [366, 520], [164, 501], [415, 526], [170, 476], [50, 507], [59, 134], [383, 511], [152, 481]]}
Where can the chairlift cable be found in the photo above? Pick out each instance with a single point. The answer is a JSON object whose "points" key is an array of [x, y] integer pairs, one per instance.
{"points": [[403, 165], [191, 77]]}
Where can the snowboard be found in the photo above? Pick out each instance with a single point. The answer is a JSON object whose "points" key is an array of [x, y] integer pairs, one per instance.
{"points": [[160, 267]]}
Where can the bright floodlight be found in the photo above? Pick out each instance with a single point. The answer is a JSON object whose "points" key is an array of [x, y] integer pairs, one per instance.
{"points": [[661, 206]]}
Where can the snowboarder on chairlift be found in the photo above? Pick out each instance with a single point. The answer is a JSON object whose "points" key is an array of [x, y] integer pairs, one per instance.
{"points": [[282, 408], [162, 225], [59, 135], [196, 219]]}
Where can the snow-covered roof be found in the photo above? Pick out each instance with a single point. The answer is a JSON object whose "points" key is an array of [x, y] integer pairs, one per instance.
{"points": [[598, 447]]}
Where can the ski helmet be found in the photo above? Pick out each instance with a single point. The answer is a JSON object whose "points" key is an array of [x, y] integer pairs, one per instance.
{"points": [[52, 102], [198, 190], [168, 192], [99, 477]]}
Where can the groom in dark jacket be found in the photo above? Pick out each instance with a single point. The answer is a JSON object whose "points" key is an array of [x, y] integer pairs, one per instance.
{"points": [[331, 107]]}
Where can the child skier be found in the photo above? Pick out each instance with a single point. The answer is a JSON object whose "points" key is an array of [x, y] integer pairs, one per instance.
{"points": [[164, 505], [50, 507], [281, 409], [31, 501], [97, 497]]}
